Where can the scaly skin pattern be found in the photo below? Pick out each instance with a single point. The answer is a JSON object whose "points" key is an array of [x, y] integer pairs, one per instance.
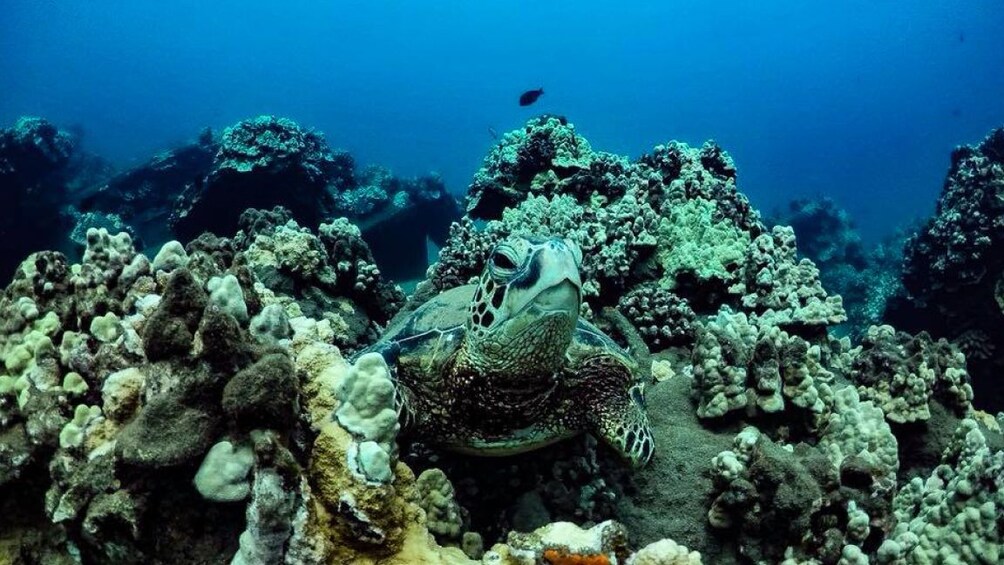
{"points": [[523, 372], [470, 411]]}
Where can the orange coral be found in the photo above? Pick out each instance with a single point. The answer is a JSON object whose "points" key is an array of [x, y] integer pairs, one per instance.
{"points": [[562, 557]]}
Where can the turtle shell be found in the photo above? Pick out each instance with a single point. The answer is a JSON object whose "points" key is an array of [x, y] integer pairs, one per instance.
{"points": [[446, 312], [439, 324]]}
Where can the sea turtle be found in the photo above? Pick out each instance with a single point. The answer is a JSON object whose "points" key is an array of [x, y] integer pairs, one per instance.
{"points": [[506, 365]]}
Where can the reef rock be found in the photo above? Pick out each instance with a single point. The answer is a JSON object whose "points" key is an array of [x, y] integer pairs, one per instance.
{"points": [[261, 162], [142, 197], [953, 268], [34, 159]]}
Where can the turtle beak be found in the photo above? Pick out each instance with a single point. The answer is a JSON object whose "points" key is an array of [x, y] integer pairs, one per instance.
{"points": [[564, 289], [566, 258], [558, 286], [563, 296]]}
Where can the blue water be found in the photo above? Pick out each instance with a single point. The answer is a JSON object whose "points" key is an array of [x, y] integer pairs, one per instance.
{"points": [[862, 101]]}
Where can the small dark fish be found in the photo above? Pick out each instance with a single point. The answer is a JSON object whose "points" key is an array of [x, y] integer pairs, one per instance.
{"points": [[530, 96], [962, 37], [493, 133]]}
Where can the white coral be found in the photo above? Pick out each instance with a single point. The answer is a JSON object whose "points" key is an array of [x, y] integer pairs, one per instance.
{"points": [[367, 411]]}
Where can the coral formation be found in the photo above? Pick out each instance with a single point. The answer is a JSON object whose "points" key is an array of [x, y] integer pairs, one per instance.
{"points": [[953, 516], [200, 406], [442, 513], [746, 363], [255, 157], [547, 144], [366, 410], [397, 215], [205, 185], [672, 220], [903, 374], [953, 266], [865, 276], [34, 165], [790, 502], [222, 477], [141, 198], [179, 389], [331, 274]]}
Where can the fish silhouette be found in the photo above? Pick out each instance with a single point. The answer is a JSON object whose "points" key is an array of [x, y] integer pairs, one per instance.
{"points": [[530, 96]]}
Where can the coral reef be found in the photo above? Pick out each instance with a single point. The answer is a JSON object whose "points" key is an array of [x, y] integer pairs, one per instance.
{"points": [[258, 155], [142, 197], [168, 392], [953, 267], [34, 166], [31, 150], [865, 276], [201, 405], [207, 184], [673, 220], [331, 274], [547, 144], [903, 374], [742, 363], [954, 516], [397, 216], [255, 158], [825, 232]]}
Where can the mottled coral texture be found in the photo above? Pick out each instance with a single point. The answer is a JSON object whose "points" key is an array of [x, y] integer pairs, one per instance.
{"points": [[953, 269], [180, 409], [672, 220]]}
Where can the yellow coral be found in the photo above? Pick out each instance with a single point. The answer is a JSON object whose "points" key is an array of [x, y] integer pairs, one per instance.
{"points": [[387, 509]]}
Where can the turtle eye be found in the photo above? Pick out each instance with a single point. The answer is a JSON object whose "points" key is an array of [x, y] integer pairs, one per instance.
{"points": [[503, 261]]}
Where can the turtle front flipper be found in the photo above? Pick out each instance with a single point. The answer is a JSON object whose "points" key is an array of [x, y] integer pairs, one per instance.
{"points": [[615, 405], [404, 405]]}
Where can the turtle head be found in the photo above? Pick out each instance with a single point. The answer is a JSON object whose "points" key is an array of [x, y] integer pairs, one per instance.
{"points": [[524, 311]]}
